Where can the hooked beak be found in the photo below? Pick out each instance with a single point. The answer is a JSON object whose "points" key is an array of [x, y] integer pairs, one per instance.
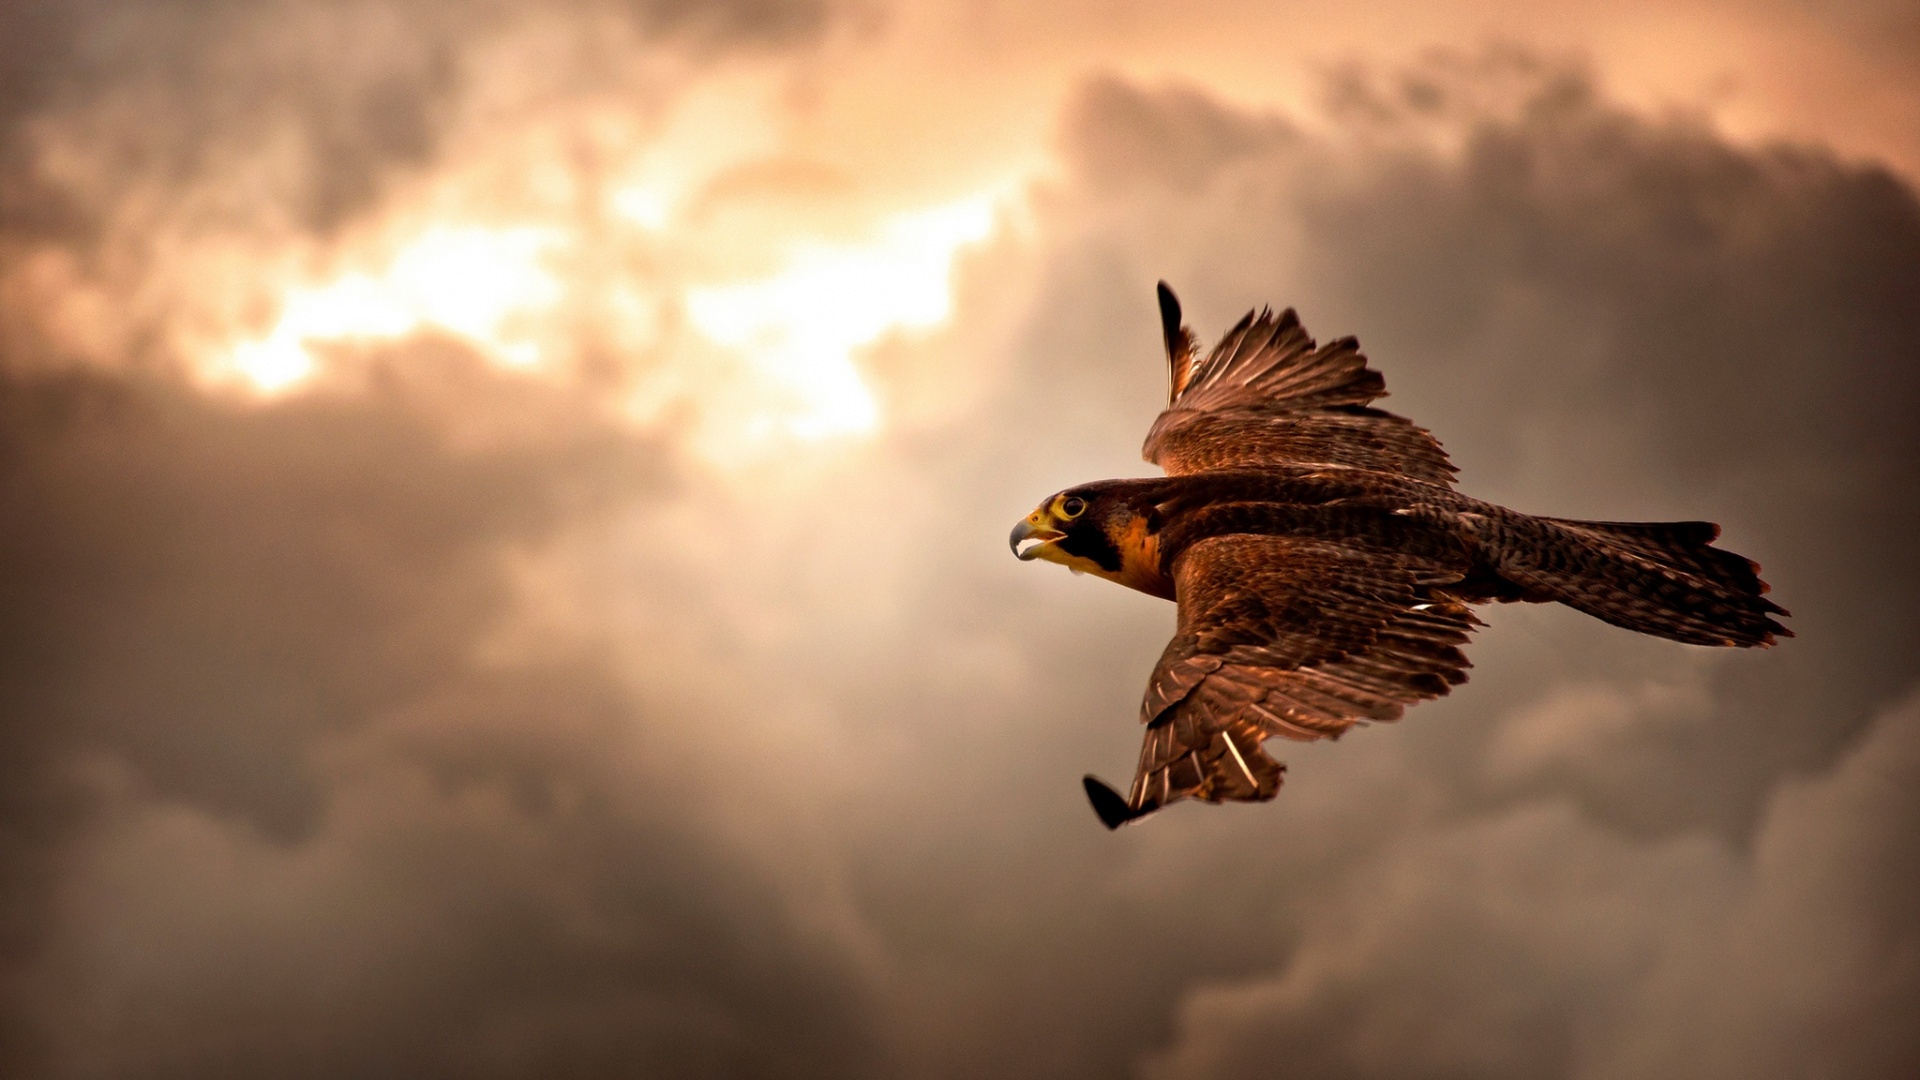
{"points": [[1037, 526]]}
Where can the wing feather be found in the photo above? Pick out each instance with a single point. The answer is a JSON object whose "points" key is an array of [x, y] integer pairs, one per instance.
{"points": [[1286, 637], [1268, 395]]}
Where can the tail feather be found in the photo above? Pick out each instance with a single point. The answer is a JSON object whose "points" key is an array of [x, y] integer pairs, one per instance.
{"points": [[1680, 545], [1660, 578]]}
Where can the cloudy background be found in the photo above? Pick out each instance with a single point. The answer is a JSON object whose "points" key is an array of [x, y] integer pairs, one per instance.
{"points": [[502, 518]]}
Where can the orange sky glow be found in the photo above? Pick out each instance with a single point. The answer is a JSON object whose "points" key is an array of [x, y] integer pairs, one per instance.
{"points": [[723, 226], [504, 507]]}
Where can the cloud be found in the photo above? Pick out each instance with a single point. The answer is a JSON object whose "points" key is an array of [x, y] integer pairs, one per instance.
{"points": [[436, 719], [321, 99], [275, 801], [1536, 943]]}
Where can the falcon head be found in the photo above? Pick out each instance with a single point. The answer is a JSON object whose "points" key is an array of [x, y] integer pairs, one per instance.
{"points": [[1109, 529]]}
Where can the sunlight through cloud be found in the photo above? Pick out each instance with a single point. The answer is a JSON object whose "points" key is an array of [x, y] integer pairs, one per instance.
{"points": [[801, 327], [468, 281]]}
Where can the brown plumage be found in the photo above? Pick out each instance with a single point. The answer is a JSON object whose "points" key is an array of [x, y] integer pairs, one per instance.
{"points": [[1325, 568]]}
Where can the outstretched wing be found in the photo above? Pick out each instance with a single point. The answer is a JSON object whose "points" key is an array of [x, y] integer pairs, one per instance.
{"points": [[1267, 395], [1290, 637]]}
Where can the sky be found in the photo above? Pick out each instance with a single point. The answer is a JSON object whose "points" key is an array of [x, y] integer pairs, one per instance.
{"points": [[503, 513]]}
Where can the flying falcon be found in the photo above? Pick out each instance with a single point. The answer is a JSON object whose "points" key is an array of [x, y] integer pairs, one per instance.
{"points": [[1324, 567]]}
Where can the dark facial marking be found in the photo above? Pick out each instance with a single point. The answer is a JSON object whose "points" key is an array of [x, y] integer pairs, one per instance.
{"points": [[1092, 543], [1087, 537]]}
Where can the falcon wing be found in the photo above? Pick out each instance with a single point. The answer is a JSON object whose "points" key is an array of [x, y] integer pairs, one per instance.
{"points": [[1267, 395], [1291, 637]]}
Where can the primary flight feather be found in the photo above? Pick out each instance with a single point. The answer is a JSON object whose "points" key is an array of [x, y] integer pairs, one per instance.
{"points": [[1324, 568]]}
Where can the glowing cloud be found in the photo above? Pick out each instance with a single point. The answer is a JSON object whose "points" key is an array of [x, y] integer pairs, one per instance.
{"points": [[468, 281], [800, 327]]}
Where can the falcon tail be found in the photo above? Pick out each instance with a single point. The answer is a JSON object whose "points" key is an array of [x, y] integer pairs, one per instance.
{"points": [[1657, 577]]}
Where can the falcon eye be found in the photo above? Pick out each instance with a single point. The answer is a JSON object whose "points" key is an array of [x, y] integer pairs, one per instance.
{"points": [[1072, 507]]}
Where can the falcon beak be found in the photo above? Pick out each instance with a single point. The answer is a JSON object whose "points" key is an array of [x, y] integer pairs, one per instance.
{"points": [[1037, 526]]}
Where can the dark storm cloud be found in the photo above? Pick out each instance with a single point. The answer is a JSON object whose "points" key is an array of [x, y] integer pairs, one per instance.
{"points": [[1176, 140], [162, 547], [189, 91], [269, 812], [1534, 943]]}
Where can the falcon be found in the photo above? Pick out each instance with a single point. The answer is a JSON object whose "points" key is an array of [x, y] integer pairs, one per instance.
{"points": [[1324, 568]]}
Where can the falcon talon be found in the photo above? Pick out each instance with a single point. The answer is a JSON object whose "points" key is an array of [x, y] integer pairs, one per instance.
{"points": [[1324, 567]]}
